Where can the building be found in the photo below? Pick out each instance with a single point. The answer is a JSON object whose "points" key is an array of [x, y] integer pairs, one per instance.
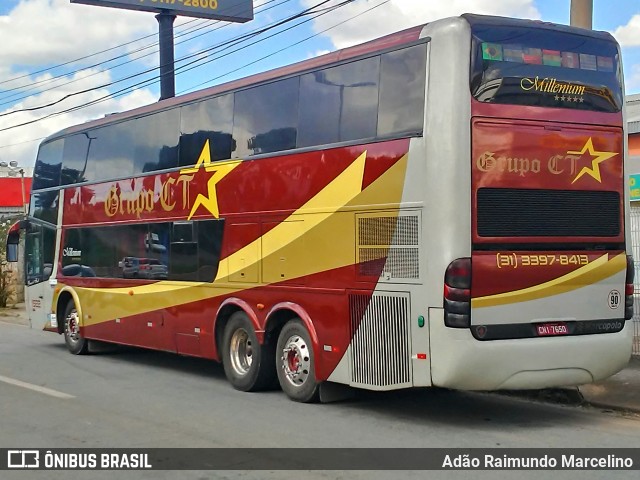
{"points": [[11, 195], [15, 187], [14, 194], [633, 108], [633, 124], [633, 168]]}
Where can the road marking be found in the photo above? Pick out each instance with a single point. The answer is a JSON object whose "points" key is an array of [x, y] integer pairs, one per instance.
{"points": [[35, 388]]}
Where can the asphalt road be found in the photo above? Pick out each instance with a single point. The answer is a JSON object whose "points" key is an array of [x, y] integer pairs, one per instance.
{"points": [[142, 399]]}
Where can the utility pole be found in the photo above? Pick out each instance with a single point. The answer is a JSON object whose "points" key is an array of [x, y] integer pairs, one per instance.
{"points": [[582, 13], [167, 64]]}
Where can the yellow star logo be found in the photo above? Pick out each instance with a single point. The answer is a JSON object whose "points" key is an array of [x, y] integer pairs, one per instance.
{"points": [[221, 170], [600, 157]]}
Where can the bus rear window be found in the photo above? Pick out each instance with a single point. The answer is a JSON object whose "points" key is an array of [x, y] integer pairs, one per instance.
{"points": [[546, 68]]}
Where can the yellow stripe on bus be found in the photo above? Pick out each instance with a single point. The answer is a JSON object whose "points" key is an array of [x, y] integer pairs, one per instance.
{"points": [[323, 227], [590, 274]]}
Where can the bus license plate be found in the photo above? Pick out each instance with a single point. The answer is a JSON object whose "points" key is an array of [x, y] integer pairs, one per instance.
{"points": [[549, 329]]}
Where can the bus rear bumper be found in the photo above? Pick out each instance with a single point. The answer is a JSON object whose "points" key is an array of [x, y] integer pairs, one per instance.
{"points": [[461, 362]]}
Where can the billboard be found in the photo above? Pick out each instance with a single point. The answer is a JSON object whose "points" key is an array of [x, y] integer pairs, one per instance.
{"points": [[239, 11], [634, 187]]}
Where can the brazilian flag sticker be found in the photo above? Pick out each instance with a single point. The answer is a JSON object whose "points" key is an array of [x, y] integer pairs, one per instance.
{"points": [[491, 51]]}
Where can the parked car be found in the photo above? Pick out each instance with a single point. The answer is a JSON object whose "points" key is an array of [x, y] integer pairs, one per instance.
{"points": [[147, 268]]}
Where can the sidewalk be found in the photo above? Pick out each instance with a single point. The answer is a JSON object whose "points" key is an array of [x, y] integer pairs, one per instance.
{"points": [[14, 314], [619, 392]]}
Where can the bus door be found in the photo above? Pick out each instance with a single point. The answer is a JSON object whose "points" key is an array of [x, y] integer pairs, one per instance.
{"points": [[40, 240]]}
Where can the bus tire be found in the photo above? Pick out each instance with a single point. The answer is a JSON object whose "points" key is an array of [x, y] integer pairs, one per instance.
{"points": [[248, 365], [295, 363], [76, 344]]}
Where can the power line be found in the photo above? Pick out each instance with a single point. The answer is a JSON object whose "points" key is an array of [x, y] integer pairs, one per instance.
{"points": [[319, 13], [182, 69], [12, 98], [129, 77], [147, 82], [225, 11], [83, 58], [21, 143], [287, 47], [123, 91], [32, 86], [244, 66]]}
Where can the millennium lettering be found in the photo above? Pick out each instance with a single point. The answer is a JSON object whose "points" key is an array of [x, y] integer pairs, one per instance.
{"points": [[551, 85]]}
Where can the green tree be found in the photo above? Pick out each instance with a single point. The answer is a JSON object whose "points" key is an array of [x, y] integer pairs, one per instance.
{"points": [[7, 277]]}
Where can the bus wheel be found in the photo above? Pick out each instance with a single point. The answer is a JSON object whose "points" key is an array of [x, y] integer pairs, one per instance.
{"points": [[248, 365], [295, 364], [75, 343]]}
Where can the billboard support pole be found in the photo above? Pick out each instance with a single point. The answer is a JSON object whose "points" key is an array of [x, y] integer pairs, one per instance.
{"points": [[167, 64], [581, 14]]}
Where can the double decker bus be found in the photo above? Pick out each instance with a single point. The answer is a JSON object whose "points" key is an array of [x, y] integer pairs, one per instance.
{"points": [[444, 206]]}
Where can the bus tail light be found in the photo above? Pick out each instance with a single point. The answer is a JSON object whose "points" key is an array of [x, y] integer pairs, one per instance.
{"points": [[457, 294], [628, 289]]}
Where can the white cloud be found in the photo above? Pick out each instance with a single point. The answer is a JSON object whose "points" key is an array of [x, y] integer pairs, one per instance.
{"points": [[400, 14], [629, 35], [38, 32]]}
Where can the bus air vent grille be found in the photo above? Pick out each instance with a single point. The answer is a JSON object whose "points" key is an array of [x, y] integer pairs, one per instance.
{"points": [[388, 246], [511, 212], [380, 343]]}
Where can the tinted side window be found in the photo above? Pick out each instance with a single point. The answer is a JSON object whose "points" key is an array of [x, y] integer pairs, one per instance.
{"points": [[111, 152], [156, 241], [402, 84], [188, 251], [44, 206], [48, 164], [98, 249], [195, 250], [209, 246], [210, 120], [72, 265], [75, 158], [266, 118], [340, 103], [102, 249], [183, 259], [156, 142]]}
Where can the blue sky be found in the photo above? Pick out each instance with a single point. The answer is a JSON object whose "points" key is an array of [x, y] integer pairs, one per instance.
{"points": [[50, 51]]}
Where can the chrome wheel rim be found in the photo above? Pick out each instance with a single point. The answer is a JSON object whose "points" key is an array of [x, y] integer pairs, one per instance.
{"points": [[296, 360], [72, 326], [241, 352]]}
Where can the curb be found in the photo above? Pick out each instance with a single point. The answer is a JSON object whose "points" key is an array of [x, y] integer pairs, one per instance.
{"points": [[614, 408]]}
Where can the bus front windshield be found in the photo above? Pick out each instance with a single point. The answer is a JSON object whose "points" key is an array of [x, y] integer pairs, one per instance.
{"points": [[543, 67]]}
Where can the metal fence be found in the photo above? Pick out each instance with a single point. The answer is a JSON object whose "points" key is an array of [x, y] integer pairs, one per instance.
{"points": [[635, 244]]}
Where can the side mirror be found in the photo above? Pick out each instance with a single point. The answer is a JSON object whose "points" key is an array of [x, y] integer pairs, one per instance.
{"points": [[13, 239], [12, 252]]}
